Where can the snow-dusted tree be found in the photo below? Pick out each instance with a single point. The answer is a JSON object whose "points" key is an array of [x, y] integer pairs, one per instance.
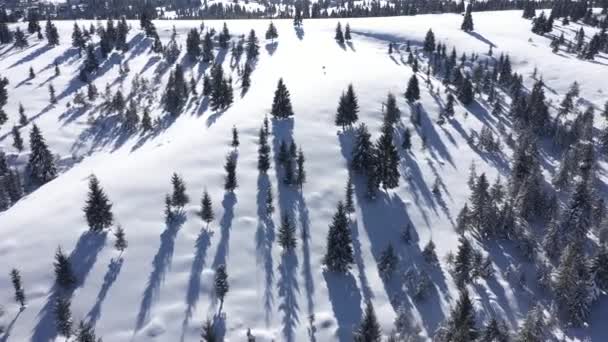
{"points": [[179, 198], [263, 152], [86, 333], [572, 285], [460, 326], [207, 48], [463, 262], [339, 253], [131, 119], [533, 328], [63, 317], [121, 241], [281, 104], [176, 92], [287, 233], [52, 36], [18, 286], [429, 41], [412, 93], [169, 215], [221, 284], [369, 329], [388, 261], [20, 39], [146, 120], [97, 209], [362, 154], [246, 78], [41, 165], [269, 201], [52, 97], [63, 270], [230, 182]]}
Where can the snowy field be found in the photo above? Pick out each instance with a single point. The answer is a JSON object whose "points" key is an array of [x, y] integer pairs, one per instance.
{"points": [[162, 287]]}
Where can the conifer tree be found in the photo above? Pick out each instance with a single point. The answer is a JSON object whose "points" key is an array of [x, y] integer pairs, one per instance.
{"points": [[252, 47], [246, 78], [193, 44], [429, 42], [392, 114], [263, 152], [532, 330], [78, 40], [347, 35], [462, 263], [91, 92], [146, 121], [224, 37], [287, 232], [465, 92], [12, 185], [52, 97], [269, 201], [17, 140], [206, 208], [572, 285], [300, 171], [41, 165], [272, 33], [63, 270], [467, 23], [387, 159], [495, 331], [121, 241], [407, 139], [221, 284], [230, 182], [20, 39], [339, 253], [348, 108], [448, 111], [429, 254], [362, 154], [460, 326], [176, 92], [339, 37], [388, 261], [19, 292], [52, 36], [235, 137], [207, 48], [168, 209], [179, 198], [349, 202], [63, 317], [98, 209], [369, 329], [86, 333], [281, 104], [32, 73], [412, 93]]}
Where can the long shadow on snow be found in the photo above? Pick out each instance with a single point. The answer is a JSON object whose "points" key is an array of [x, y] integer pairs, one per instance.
{"points": [[82, 259], [288, 290], [345, 301], [160, 264], [264, 238], [9, 327], [109, 279], [33, 55], [427, 129]]}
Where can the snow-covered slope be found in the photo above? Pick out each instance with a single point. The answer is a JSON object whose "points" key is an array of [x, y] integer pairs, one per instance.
{"points": [[161, 289]]}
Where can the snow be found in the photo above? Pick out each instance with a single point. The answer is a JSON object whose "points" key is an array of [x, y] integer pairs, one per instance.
{"points": [[162, 290]]}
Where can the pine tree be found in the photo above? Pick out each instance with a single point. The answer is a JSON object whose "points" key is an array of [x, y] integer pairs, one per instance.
{"points": [[392, 114], [339, 253], [207, 48], [289, 176], [193, 44], [19, 292], [448, 111], [300, 171], [412, 93], [206, 208], [599, 268], [287, 232], [407, 139], [224, 37], [221, 284], [17, 140], [429, 254], [462, 263], [263, 152], [235, 137], [63, 270], [32, 74], [347, 35], [86, 333], [465, 92], [169, 215], [572, 284], [52, 97], [121, 242], [179, 198], [348, 108], [269, 201], [20, 39], [51, 33], [63, 317], [246, 78], [230, 182], [460, 326], [349, 202], [388, 261], [281, 104], [387, 159], [176, 92], [272, 33], [362, 154], [429, 42], [369, 329], [339, 35], [41, 165], [91, 92], [467, 23], [78, 40], [252, 47], [208, 333], [98, 209]]}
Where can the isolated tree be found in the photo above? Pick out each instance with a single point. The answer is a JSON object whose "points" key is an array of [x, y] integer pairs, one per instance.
{"points": [[339, 37], [52, 36], [179, 198], [92, 92], [32, 74], [41, 165], [52, 97], [206, 208], [221, 284], [97, 209], [208, 332], [392, 113], [429, 42], [224, 37], [18, 286], [235, 137], [347, 35], [287, 233], [412, 93], [281, 104], [339, 254], [348, 108], [17, 140], [300, 177], [467, 23], [121, 241], [271, 32], [230, 182], [263, 152], [63, 317], [63, 270], [369, 329]]}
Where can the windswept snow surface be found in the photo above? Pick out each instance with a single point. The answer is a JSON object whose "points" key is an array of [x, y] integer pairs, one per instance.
{"points": [[162, 287]]}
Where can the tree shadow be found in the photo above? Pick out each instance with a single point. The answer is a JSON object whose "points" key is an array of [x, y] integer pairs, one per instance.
{"points": [[427, 129], [160, 264], [109, 279], [351, 46], [33, 55], [271, 48], [264, 238], [203, 241], [358, 256], [288, 291], [299, 32], [481, 38], [9, 327], [345, 301]]}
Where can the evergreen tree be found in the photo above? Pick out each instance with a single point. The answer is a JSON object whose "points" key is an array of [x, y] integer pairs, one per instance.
{"points": [[52, 97], [17, 140], [460, 326], [121, 242], [281, 104], [20, 39], [339, 253], [349, 202], [224, 37], [448, 111], [263, 152], [462, 263], [19, 292], [246, 78], [207, 48], [272, 33], [369, 329], [269, 199], [407, 139], [193, 44], [348, 108], [176, 92], [146, 121], [168, 209], [429, 42], [494, 331], [287, 232], [412, 93], [347, 35], [41, 165], [86, 333], [230, 182], [599, 268], [465, 92], [388, 262], [362, 154], [300, 171], [63, 317], [429, 254], [392, 113], [221, 284], [91, 92], [572, 285], [467, 23], [532, 330], [252, 47], [206, 208], [12, 185], [32, 74], [52, 36], [98, 209], [179, 198], [78, 40], [339, 37], [235, 137], [208, 333], [221, 89], [63, 270], [387, 159]]}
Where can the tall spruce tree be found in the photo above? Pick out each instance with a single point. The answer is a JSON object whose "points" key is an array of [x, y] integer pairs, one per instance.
{"points": [[207, 208], [176, 92], [18, 286], [221, 284], [339, 254], [230, 182], [63, 270], [281, 104], [287, 233], [63, 317], [179, 198], [429, 41], [252, 48], [369, 329], [467, 23], [41, 165], [362, 154], [97, 209], [17, 140], [387, 159], [348, 108], [412, 93], [460, 326], [392, 113]]}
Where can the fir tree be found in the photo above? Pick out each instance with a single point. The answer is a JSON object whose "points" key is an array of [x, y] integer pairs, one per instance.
{"points": [[462, 263], [300, 171], [572, 284], [86, 333], [460, 326], [193, 44], [362, 154], [252, 47], [281, 104], [207, 48], [221, 284], [17, 140], [347, 35], [269, 201], [78, 40], [272, 33], [369, 329], [348, 108], [287, 232], [263, 152], [41, 165], [339, 253], [169, 215], [32, 74], [176, 92], [387, 159], [494, 331], [52, 97], [20, 39], [230, 182], [91, 92], [224, 37], [179, 198], [121, 242], [246, 78], [392, 113], [467, 23], [235, 137], [388, 262], [63, 270], [429, 254], [429, 42], [349, 202], [407, 139], [63, 317], [412, 92], [98, 209], [448, 111], [19, 292], [339, 37], [52, 36], [206, 208], [532, 330]]}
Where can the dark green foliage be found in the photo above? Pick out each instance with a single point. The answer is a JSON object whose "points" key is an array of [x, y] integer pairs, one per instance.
{"points": [[121, 241], [263, 151], [369, 329], [272, 33], [179, 198], [465, 92], [221, 95], [17, 140], [52, 36], [206, 208], [176, 92], [63, 270], [460, 326], [193, 44], [221, 283], [407, 139], [63, 317], [387, 159], [224, 37], [348, 108], [392, 114], [235, 137], [412, 93], [97, 209], [388, 262], [300, 171], [362, 155], [349, 202], [230, 182], [20, 39], [429, 42], [41, 165], [252, 47], [17, 285], [467, 23], [462, 263], [287, 233], [281, 104], [339, 254]]}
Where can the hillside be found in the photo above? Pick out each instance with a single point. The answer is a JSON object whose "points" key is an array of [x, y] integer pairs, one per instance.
{"points": [[161, 287]]}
